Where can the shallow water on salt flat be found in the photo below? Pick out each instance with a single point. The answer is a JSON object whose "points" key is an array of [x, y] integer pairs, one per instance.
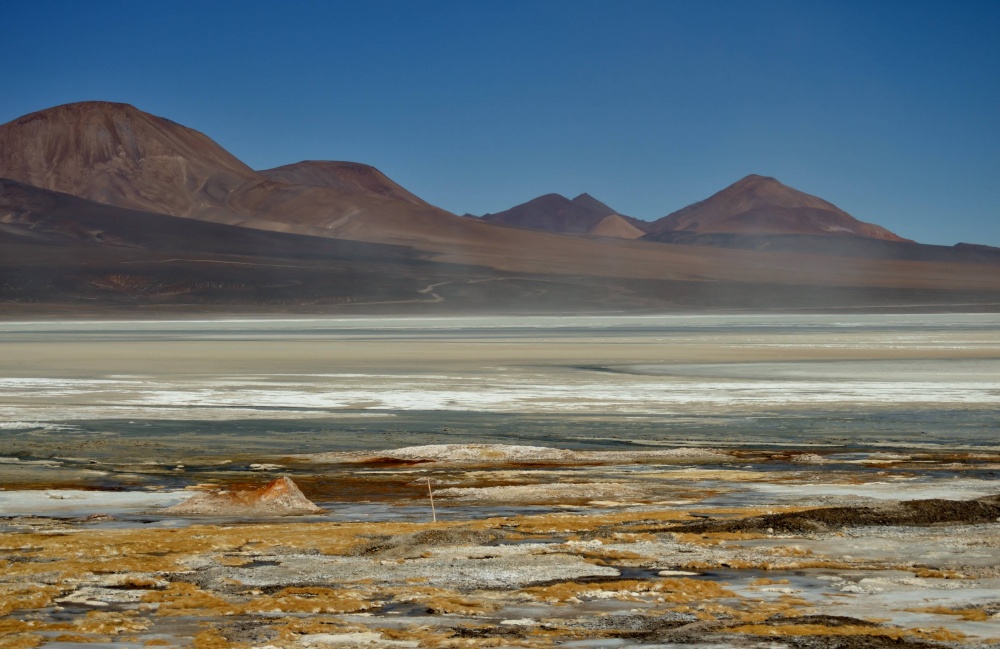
{"points": [[122, 402]]}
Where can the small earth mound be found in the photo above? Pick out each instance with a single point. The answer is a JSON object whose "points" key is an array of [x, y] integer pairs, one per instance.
{"points": [[279, 497]]}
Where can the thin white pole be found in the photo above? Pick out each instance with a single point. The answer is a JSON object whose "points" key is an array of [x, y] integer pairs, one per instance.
{"points": [[430, 493]]}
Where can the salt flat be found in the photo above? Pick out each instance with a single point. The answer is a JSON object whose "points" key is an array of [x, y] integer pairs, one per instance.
{"points": [[568, 457]]}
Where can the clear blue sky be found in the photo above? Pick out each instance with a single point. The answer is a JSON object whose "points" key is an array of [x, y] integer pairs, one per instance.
{"points": [[891, 110]]}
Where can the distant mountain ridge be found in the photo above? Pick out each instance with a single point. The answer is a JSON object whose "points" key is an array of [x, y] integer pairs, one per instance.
{"points": [[119, 155], [754, 206], [103, 204]]}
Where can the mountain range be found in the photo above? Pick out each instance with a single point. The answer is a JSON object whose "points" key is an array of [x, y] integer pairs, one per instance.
{"points": [[106, 207]]}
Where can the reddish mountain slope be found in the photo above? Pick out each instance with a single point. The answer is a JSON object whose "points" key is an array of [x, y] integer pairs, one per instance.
{"points": [[124, 158], [758, 205], [348, 177], [117, 154]]}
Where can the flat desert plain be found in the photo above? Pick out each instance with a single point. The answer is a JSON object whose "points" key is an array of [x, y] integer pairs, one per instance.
{"points": [[607, 481]]}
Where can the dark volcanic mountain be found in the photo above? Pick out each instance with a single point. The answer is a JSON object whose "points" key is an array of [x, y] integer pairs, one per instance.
{"points": [[759, 205], [556, 213]]}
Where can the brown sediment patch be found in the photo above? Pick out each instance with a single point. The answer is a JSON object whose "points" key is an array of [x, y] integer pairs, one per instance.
{"points": [[310, 600]]}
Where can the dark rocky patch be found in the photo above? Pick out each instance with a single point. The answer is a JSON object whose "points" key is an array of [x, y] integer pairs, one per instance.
{"points": [[933, 511]]}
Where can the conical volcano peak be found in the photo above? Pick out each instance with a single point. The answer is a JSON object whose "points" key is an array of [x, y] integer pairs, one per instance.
{"points": [[760, 205], [588, 202]]}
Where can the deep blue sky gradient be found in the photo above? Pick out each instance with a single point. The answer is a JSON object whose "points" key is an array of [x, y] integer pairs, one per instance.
{"points": [[891, 110]]}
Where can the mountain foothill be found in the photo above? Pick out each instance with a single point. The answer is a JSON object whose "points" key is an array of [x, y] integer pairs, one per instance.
{"points": [[106, 208]]}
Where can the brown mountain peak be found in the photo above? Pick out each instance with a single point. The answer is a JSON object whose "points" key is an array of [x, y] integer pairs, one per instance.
{"points": [[115, 153]]}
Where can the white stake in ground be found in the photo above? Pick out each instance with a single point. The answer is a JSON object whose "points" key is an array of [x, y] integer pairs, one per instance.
{"points": [[434, 516]]}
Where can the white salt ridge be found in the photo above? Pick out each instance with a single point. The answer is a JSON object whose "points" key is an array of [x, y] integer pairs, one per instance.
{"points": [[75, 502], [581, 392], [515, 454], [909, 490], [25, 425]]}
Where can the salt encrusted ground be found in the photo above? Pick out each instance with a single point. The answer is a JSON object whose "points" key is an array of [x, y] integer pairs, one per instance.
{"points": [[661, 482], [621, 566]]}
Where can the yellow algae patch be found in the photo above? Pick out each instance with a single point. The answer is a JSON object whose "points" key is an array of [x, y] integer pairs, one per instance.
{"points": [[182, 598], [109, 623], [749, 512], [566, 523], [76, 637], [629, 537], [727, 475], [310, 600], [16, 634], [764, 581], [968, 614], [677, 591], [15, 597], [847, 630], [715, 538], [20, 641], [290, 629], [443, 601], [930, 573], [212, 639]]}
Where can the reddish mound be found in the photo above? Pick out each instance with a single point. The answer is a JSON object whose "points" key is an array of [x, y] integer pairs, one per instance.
{"points": [[762, 205], [278, 498]]}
